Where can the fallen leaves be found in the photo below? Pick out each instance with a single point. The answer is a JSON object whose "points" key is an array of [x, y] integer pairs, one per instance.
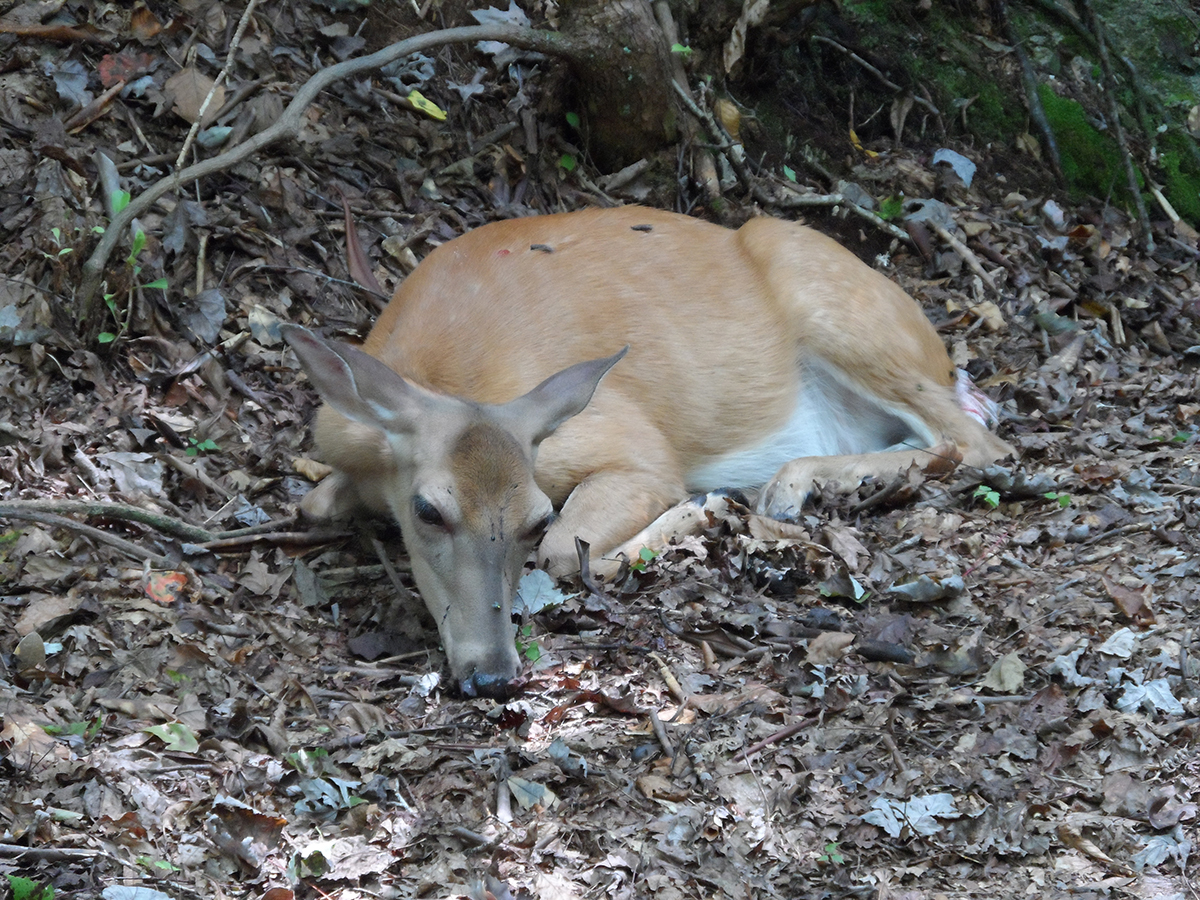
{"points": [[864, 701]]}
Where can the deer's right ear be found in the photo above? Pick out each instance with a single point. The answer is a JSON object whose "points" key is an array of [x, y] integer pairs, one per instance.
{"points": [[356, 384]]}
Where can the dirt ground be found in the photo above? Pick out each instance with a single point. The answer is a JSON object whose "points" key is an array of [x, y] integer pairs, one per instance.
{"points": [[983, 686]]}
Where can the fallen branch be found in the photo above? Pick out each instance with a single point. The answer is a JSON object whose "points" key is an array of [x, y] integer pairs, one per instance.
{"points": [[786, 198], [781, 735], [286, 126], [883, 79], [20, 509], [97, 534], [184, 531]]}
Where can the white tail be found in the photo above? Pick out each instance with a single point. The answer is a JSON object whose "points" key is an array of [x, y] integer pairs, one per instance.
{"points": [[764, 357]]}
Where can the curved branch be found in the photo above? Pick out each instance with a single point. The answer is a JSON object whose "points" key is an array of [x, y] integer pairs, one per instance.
{"points": [[288, 125]]}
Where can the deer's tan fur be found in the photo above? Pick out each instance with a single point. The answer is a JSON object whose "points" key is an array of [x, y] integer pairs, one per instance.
{"points": [[769, 354]]}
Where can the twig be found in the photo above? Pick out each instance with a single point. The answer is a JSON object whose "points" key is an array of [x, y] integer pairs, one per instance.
{"points": [[781, 735], [191, 471], [732, 150], [209, 540], [392, 574], [795, 200], [890, 743], [127, 547], [223, 75], [17, 508], [920, 101], [1114, 113], [967, 254], [294, 538], [47, 854], [669, 678], [288, 125], [660, 732]]}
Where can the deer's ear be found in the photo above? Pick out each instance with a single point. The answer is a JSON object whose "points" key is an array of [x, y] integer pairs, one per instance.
{"points": [[535, 415], [358, 385]]}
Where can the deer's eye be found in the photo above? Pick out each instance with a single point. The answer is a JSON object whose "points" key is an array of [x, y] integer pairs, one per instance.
{"points": [[427, 512]]}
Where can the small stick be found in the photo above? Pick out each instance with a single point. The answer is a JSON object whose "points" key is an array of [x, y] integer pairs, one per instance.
{"points": [[381, 552], [660, 732], [96, 534], [230, 56], [781, 735], [967, 254], [921, 101], [297, 538], [669, 678]]}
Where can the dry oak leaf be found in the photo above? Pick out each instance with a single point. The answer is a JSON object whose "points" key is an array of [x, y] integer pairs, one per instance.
{"points": [[828, 647], [188, 88]]}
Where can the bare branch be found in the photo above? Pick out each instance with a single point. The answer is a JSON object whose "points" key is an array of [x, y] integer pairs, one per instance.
{"points": [[288, 125]]}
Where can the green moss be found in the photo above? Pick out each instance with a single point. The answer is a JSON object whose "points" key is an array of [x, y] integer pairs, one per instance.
{"points": [[1091, 160], [880, 11], [1182, 186], [935, 52]]}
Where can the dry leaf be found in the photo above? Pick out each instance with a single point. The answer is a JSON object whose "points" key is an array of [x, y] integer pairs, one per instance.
{"points": [[189, 87], [828, 647]]}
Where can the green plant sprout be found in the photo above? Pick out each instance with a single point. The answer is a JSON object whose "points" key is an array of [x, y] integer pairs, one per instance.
{"points": [[1063, 500], [645, 557], [988, 495], [195, 447], [85, 729], [28, 889], [120, 199], [832, 855], [527, 645]]}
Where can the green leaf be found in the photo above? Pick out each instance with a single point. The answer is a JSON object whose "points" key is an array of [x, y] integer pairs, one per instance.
{"points": [[139, 244], [789, 173], [28, 889], [120, 200], [159, 284], [681, 49], [832, 854], [151, 863], [106, 337], [573, 120], [568, 162], [177, 736], [891, 208], [988, 495]]}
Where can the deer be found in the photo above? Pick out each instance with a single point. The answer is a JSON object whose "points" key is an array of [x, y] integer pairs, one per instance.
{"points": [[576, 375]]}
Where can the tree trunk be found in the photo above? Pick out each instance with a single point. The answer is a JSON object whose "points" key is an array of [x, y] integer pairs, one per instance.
{"points": [[623, 68]]}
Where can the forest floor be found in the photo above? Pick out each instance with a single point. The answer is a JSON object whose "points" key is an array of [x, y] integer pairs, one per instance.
{"points": [[983, 686]]}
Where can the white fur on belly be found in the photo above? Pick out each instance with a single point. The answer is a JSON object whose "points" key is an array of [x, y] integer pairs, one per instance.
{"points": [[830, 418]]}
